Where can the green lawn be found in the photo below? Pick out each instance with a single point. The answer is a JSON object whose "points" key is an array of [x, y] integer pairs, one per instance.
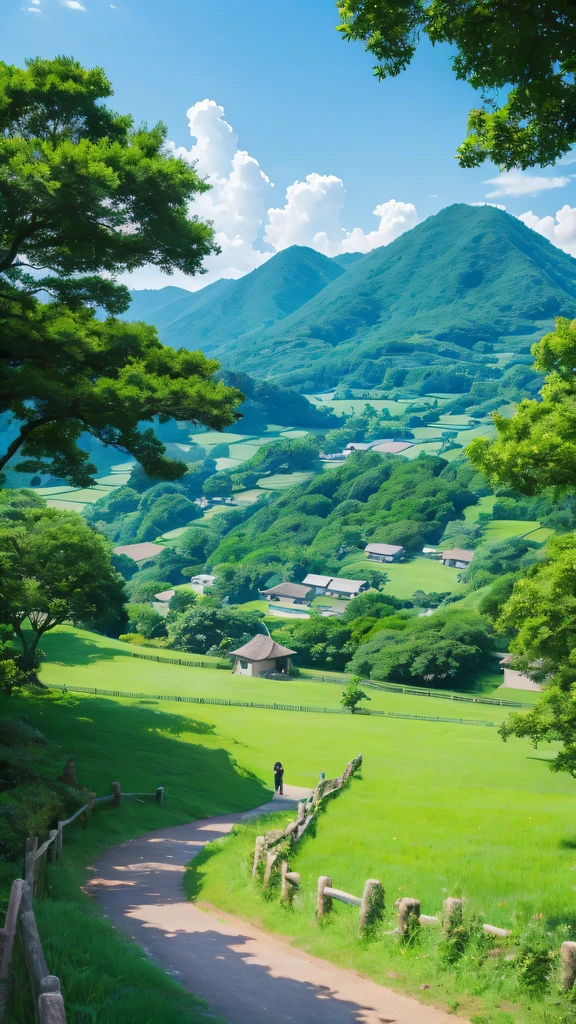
{"points": [[417, 573], [485, 504], [280, 481], [442, 809], [502, 529]]}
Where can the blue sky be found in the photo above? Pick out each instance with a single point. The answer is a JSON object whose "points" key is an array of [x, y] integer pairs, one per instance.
{"points": [[300, 100]]}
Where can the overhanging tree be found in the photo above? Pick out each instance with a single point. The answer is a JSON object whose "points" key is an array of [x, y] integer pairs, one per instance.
{"points": [[516, 45], [84, 196]]}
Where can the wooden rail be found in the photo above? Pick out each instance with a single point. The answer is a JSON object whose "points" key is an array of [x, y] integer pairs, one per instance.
{"points": [[47, 997]]}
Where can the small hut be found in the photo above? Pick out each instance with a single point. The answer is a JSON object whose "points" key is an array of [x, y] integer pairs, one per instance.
{"points": [[262, 656]]}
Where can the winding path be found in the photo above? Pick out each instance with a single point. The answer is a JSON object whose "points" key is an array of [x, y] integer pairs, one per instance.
{"points": [[246, 975]]}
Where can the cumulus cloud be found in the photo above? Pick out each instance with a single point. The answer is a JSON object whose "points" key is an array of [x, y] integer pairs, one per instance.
{"points": [[248, 228], [74, 5], [516, 183], [560, 230]]}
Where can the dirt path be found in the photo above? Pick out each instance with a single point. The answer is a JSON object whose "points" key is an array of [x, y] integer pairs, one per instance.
{"points": [[246, 975]]}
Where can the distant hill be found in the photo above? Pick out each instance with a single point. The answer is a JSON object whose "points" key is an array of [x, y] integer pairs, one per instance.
{"points": [[432, 303], [226, 310]]}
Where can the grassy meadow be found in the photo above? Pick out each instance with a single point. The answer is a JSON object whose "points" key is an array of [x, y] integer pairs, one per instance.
{"points": [[442, 809]]}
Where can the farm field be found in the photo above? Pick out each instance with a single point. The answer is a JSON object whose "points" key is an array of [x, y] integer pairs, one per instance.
{"points": [[405, 577], [441, 809], [501, 529], [79, 658], [485, 504]]}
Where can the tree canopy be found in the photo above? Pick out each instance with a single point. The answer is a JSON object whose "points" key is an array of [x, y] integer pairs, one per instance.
{"points": [[499, 44], [536, 448], [84, 196]]}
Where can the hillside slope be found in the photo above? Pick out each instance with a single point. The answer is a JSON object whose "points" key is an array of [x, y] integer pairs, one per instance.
{"points": [[445, 293], [227, 310]]}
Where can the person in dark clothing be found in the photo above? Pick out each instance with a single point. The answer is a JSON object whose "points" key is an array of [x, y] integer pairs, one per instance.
{"points": [[278, 778]]}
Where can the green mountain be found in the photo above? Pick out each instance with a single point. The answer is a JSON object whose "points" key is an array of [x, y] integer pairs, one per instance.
{"points": [[226, 310], [426, 311], [163, 306]]}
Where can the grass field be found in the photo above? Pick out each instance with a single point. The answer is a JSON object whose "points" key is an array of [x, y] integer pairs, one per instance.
{"points": [[405, 577], [502, 529], [441, 806], [485, 504]]}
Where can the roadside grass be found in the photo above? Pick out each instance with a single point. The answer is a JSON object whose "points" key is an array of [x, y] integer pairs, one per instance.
{"points": [[424, 845], [104, 978], [417, 573], [441, 807]]}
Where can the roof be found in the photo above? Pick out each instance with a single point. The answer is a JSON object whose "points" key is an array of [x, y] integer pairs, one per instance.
{"points": [[317, 581], [139, 552], [347, 586], [288, 590], [458, 555], [165, 595], [261, 648], [393, 447], [384, 549]]}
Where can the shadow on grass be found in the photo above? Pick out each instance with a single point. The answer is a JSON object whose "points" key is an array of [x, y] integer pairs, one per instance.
{"points": [[193, 880], [141, 748], [70, 649]]}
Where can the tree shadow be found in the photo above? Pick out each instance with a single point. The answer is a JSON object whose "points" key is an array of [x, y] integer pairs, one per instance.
{"points": [[70, 649], [142, 748]]}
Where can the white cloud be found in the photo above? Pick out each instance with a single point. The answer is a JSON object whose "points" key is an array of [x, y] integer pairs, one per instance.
{"points": [[312, 216], [516, 183], [560, 230], [247, 228], [74, 5], [32, 10]]}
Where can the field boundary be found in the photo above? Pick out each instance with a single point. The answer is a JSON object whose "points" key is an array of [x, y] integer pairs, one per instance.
{"points": [[224, 702], [322, 677]]}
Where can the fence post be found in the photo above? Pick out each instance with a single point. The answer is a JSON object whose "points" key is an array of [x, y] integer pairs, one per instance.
{"points": [[372, 907], [324, 902], [9, 929], [271, 859], [258, 854], [290, 881], [29, 862], [60, 840], [159, 798], [407, 908], [452, 913], [116, 794], [53, 848], [568, 957], [301, 813]]}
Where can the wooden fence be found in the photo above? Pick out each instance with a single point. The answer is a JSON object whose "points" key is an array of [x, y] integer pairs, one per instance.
{"points": [[273, 847], [271, 854], [223, 701], [46, 995]]}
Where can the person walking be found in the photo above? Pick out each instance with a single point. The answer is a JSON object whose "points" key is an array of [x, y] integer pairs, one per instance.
{"points": [[279, 778]]}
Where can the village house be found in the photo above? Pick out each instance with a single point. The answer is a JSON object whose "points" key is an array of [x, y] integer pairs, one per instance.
{"points": [[457, 558], [384, 552], [514, 680], [262, 656], [294, 593], [333, 586]]}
